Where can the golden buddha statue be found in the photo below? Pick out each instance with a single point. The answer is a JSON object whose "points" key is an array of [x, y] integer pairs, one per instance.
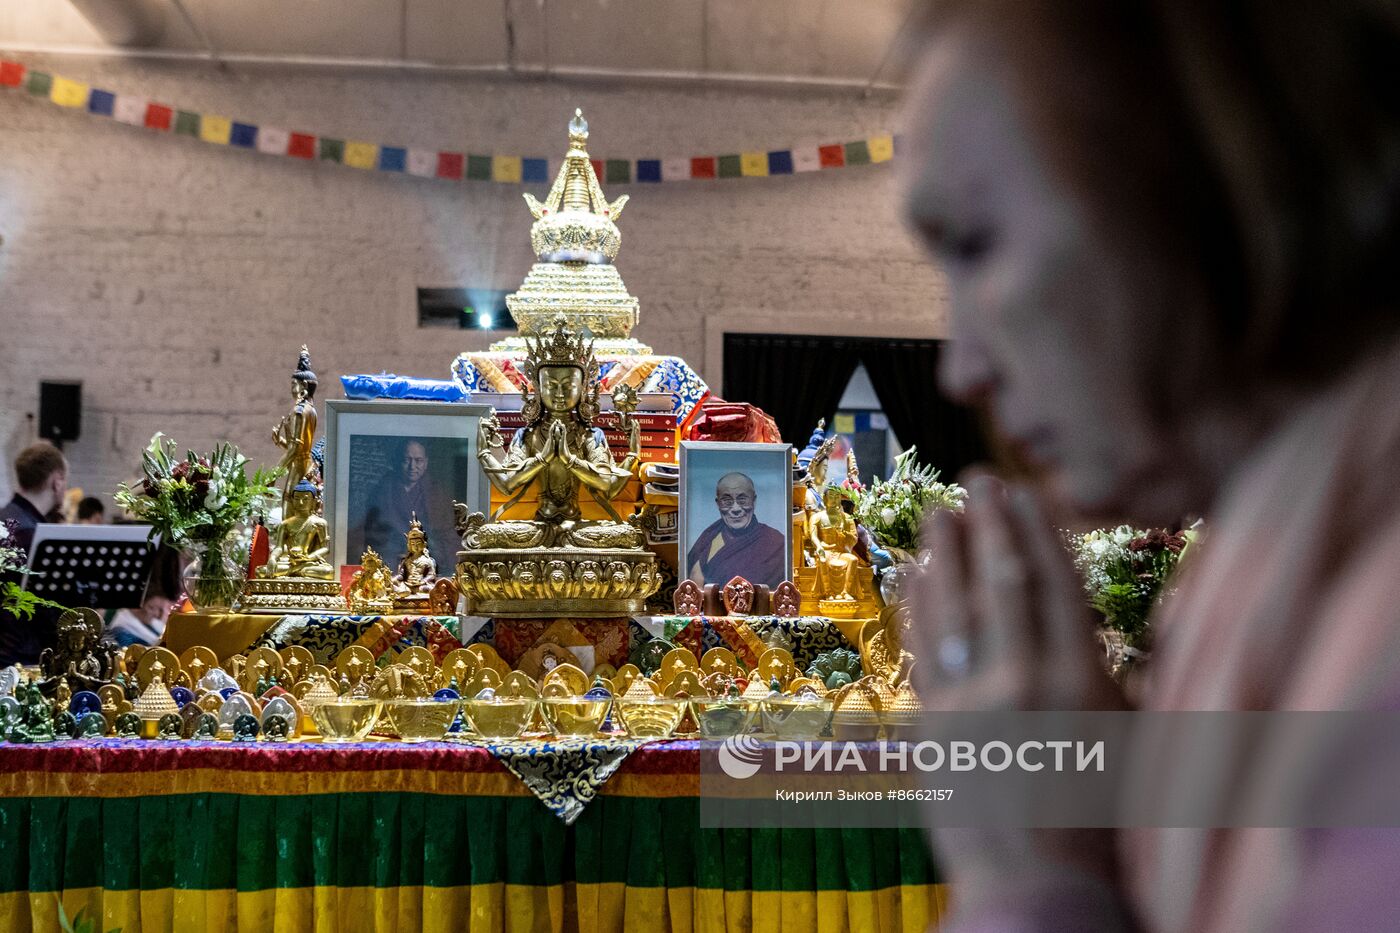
{"points": [[371, 585], [297, 577], [417, 571], [832, 536], [302, 539], [296, 432], [557, 563], [814, 487], [841, 580]]}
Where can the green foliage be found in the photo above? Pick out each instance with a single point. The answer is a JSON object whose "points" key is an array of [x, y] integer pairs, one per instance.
{"points": [[1126, 573], [895, 509], [196, 498], [81, 922]]}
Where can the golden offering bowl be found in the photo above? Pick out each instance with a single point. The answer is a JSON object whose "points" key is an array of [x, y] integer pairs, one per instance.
{"points": [[722, 717], [804, 717], [651, 717], [346, 719], [500, 719], [421, 719], [575, 716]]}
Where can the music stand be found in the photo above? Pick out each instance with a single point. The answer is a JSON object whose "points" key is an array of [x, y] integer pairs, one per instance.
{"points": [[98, 566]]}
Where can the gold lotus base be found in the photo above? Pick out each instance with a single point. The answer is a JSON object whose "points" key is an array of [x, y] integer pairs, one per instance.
{"points": [[839, 608], [576, 582], [281, 595]]}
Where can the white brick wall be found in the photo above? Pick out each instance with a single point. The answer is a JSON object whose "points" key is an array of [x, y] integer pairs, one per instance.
{"points": [[177, 279]]}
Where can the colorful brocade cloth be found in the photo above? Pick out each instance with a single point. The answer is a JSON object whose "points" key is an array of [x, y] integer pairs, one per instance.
{"points": [[300, 838]]}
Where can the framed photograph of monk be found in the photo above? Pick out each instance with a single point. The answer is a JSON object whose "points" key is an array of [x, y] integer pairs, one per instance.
{"points": [[388, 461], [736, 512]]}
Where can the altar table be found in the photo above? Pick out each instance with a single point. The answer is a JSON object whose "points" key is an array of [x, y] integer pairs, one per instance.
{"points": [[157, 836]]}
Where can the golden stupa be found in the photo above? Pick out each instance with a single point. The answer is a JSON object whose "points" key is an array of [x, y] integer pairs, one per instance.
{"points": [[575, 239]]}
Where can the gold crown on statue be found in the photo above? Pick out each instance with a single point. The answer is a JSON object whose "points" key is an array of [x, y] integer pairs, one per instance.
{"points": [[415, 529], [564, 347], [575, 223]]}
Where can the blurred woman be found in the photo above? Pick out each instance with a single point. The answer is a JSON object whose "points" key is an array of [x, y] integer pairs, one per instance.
{"points": [[1171, 232]]}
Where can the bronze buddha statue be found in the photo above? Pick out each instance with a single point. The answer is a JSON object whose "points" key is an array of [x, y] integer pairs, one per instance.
{"points": [[557, 562]]}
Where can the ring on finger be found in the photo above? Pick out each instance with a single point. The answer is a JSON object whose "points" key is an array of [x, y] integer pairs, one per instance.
{"points": [[954, 655]]}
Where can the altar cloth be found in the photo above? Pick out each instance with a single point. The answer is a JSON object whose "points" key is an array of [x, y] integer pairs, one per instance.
{"points": [[155, 836]]}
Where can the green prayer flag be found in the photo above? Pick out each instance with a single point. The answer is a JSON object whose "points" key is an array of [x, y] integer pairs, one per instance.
{"points": [[479, 167], [332, 150], [618, 171], [186, 123], [729, 167], [857, 153], [39, 83]]}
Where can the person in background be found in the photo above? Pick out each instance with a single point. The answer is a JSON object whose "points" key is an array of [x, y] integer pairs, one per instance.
{"points": [[91, 511], [1169, 232], [144, 625], [41, 478]]}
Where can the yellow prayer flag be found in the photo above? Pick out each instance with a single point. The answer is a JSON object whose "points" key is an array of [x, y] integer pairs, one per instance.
{"points": [[505, 168], [753, 164], [215, 129], [881, 148], [844, 424], [361, 155], [68, 93]]}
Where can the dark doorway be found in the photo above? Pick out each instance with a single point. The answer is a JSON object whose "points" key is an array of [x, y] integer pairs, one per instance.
{"points": [[799, 378]]}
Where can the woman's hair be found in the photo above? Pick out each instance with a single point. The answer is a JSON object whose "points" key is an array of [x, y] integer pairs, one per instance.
{"points": [[1257, 139]]}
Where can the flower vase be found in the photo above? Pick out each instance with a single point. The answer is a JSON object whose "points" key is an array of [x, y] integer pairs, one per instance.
{"points": [[212, 580]]}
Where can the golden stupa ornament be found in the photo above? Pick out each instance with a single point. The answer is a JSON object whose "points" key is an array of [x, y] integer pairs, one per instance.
{"points": [[556, 563], [575, 239]]}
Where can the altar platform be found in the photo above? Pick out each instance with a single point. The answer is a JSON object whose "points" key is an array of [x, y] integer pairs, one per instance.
{"points": [[186, 836]]}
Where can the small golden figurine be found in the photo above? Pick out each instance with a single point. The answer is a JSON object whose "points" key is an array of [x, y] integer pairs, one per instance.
{"points": [[839, 571], [558, 562], [297, 577], [371, 585], [303, 539], [417, 571]]}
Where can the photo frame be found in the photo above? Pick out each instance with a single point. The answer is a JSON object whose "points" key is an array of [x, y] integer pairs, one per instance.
{"points": [[717, 541], [387, 459]]}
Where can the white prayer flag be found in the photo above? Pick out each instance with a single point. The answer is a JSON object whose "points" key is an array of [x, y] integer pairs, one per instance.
{"points": [[422, 162], [676, 168], [272, 140], [806, 159], [130, 110]]}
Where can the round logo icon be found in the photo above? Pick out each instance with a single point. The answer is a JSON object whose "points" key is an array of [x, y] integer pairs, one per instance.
{"points": [[740, 756]]}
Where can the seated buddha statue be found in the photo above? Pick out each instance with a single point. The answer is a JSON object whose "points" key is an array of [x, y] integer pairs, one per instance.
{"points": [[557, 561], [560, 453], [417, 571], [833, 538], [302, 540]]}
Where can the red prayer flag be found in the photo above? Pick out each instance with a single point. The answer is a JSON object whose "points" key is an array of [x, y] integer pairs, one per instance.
{"points": [[11, 74], [598, 167], [158, 116], [450, 165], [833, 156], [301, 145], [702, 167]]}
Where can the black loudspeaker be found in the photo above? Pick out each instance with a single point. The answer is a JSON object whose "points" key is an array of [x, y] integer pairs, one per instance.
{"points": [[60, 411]]}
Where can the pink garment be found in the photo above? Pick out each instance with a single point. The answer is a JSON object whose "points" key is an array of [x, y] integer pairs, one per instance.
{"points": [[1292, 603]]}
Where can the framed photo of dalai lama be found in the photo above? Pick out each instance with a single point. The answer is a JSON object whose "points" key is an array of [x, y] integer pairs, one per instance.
{"points": [[736, 512], [388, 461]]}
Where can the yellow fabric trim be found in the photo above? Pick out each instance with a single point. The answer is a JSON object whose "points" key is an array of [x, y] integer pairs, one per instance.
{"points": [[486, 908], [278, 783]]}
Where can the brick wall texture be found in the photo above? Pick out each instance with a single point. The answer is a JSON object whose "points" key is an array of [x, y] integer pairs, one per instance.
{"points": [[177, 279]]}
